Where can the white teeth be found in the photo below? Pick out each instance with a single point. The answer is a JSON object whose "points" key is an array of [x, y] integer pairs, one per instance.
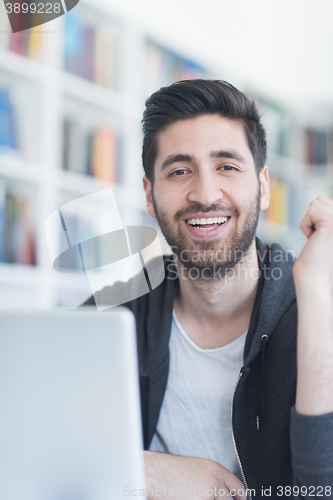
{"points": [[209, 220]]}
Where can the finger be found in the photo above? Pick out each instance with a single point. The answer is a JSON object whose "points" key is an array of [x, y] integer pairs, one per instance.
{"points": [[236, 488], [223, 494], [239, 494], [308, 223], [319, 212]]}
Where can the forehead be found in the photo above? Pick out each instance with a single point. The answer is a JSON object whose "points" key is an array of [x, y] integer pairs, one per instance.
{"points": [[198, 136]]}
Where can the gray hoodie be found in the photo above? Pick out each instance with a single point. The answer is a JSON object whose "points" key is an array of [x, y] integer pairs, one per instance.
{"points": [[282, 454]]}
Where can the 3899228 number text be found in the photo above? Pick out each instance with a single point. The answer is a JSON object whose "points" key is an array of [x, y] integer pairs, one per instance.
{"points": [[310, 491], [39, 8]]}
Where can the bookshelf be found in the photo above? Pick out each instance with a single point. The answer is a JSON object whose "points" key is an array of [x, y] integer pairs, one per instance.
{"points": [[72, 94], [301, 168]]}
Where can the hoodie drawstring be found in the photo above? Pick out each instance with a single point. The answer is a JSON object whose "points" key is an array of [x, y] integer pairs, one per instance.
{"points": [[263, 340]]}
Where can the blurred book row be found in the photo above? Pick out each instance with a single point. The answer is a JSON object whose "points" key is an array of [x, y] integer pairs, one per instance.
{"points": [[288, 138], [289, 201], [17, 226], [96, 151], [165, 67], [90, 51], [89, 151], [27, 43], [318, 147]]}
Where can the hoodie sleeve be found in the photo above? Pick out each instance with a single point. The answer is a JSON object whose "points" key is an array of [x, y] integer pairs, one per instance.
{"points": [[312, 454]]}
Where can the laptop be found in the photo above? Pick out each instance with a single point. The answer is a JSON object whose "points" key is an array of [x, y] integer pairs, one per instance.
{"points": [[70, 421]]}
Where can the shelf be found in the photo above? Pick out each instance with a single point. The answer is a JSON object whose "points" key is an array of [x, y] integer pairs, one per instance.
{"points": [[17, 169], [291, 170], [22, 275], [99, 97], [81, 185], [45, 98], [21, 66]]}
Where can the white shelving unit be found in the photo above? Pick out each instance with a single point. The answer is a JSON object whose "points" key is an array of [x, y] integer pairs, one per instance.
{"points": [[44, 93]]}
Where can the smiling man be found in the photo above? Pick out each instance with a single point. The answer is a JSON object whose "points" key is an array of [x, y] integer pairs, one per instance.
{"points": [[226, 409]]}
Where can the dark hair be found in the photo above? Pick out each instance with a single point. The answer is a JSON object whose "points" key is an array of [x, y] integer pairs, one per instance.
{"points": [[191, 98]]}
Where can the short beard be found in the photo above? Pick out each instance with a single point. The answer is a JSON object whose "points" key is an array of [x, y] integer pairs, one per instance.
{"points": [[211, 262]]}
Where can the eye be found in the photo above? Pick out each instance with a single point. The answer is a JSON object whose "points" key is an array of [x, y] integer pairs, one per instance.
{"points": [[178, 173], [228, 168]]}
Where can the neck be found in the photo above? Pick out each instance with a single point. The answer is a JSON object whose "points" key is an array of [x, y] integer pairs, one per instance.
{"points": [[205, 306]]}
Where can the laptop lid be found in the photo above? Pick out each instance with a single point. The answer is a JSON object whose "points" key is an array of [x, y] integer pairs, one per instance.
{"points": [[70, 422]]}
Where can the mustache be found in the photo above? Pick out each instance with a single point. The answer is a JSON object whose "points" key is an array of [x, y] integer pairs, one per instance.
{"points": [[187, 212]]}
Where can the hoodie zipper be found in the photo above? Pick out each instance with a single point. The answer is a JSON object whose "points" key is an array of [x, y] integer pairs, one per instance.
{"points": [[233, 436]]}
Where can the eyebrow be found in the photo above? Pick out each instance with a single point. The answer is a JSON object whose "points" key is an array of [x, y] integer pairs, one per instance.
{"points": [[184, 158], [228, 153], [177, 159]]}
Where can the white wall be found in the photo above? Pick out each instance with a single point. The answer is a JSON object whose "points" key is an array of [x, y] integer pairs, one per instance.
{"points": [[284, 47]]}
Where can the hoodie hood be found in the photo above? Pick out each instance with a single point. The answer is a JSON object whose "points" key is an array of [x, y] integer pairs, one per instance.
{"points": [[275, 294]]}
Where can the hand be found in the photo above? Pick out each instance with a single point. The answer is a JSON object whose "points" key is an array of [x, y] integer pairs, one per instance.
{"points": [[315, 263], [190, 477]]}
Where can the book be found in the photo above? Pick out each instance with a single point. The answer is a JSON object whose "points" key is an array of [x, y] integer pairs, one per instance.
{"points": [[89, 50], [317, 147], [18, 228], [278, 210], [165, 67], [25, 243], [35, 43], [8, 125], [90, 151], [105, 56], [105, 154]]}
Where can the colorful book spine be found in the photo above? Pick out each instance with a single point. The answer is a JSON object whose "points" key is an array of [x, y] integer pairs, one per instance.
{"points": [[105, 155], [8, 124], [27, 43], [278, 210], [164, 67], [35, 43], [90, 51], [16, 228], [88, 151], [318, 147]]}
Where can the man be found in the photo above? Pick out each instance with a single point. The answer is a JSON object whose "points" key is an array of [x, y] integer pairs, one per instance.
{"points": [[223, 411]]}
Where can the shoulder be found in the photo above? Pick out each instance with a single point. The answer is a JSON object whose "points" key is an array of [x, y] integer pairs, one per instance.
{"points": [[152, 283]]}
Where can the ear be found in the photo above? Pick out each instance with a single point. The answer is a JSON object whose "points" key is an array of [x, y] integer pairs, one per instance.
{"points": [[264, 188], [149, 199]]}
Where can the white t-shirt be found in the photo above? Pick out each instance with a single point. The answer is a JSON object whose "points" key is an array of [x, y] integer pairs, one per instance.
{"points": [[195, 418]]}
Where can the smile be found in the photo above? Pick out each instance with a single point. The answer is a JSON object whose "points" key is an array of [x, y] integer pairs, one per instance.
{"points": [[210, 227], [212, 222]]}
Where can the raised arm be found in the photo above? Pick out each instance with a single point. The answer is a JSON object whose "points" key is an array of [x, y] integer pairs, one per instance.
{"points": [[312, 418], [313, 275]]}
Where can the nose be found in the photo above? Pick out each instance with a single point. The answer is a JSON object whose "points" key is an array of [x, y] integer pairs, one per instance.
{"points": [[205, 190]]}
